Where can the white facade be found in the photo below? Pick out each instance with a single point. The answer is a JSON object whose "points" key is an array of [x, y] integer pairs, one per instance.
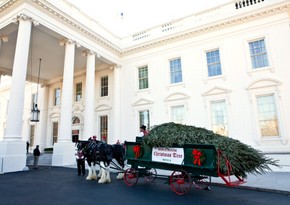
{"points": [[236, 90]]}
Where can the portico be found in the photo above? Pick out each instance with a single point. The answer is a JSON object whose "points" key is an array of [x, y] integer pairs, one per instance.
{"points": [[64, 52]]}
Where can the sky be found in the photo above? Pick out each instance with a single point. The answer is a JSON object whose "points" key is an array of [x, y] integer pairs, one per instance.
{"points": [[126, 17]]}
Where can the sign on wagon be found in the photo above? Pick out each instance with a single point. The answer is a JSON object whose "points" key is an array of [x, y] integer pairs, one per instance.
{"points": [[168, 155]]}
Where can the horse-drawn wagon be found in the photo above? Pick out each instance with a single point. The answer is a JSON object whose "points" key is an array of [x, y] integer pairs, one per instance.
{"points": [[192, 164]]}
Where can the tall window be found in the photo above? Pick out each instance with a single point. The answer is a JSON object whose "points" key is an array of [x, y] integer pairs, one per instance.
{"points": [[143, 77], [104, 86], [177, 114], [144, 118], [258, 54], [219, 117], [267, 115], [57, 96], [175, 71], [213, 63], [104, 128], [78, 92], [54, 132], [32, 134]]}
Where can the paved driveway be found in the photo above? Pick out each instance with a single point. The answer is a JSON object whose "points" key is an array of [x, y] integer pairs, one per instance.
{"points": [[61, 186]]}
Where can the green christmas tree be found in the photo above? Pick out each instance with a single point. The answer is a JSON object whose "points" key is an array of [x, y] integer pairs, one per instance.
{"points": [[243, 158]]}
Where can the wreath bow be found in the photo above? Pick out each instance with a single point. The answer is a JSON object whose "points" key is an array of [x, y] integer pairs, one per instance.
{"points": [[137, 150], [196, 157]]}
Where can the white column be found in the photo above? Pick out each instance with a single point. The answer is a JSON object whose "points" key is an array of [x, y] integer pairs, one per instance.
{"points": [[13, 148], [43, 106], [89, 113], [63, 150], [65, 130], [117, 106], [16, 101]]}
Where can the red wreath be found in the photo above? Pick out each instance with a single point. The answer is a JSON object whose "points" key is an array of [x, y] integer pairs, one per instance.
{"points": [[137, 150], [196, 157]]}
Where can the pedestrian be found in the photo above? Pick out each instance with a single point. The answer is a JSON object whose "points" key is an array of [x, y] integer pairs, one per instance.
{"points": [[80, 162], [143, 131], [27, 147], [36, 154]]}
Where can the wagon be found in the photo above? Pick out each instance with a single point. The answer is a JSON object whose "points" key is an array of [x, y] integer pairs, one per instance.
{"points": [[191, 164]]}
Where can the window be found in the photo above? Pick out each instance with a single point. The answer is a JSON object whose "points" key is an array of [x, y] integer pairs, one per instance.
{"points": [[175, 71], [267, 116], [76, 120], [104, 86], [143, 77], [78, 92], [213, 63], [32, 134], [258, 54], [144, 118], [57, 96], [54, 132], [104, 128], [177, 114], [219, 117]]}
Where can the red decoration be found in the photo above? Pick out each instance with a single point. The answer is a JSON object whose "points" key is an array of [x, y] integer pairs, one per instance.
{"points": [[137, 150], [196, 157]]}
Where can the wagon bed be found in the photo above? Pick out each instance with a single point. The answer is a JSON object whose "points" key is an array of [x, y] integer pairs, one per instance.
{"points": [[190, 163]]}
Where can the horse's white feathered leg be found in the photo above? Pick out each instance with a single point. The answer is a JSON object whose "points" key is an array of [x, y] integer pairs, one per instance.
{"points": [[94, 174], [89, 177], [120, 176], [108, 178], [103, 173], [100, 172], [105, 177]]}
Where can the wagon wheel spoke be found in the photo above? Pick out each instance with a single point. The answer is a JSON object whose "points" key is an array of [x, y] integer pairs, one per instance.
{"points": [[180, 182], [131, 177], [202, 182], [151, 175]]}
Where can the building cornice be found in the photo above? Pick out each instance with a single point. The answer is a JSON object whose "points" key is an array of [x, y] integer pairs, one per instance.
{"points": [[206, 29], [78, 26], [153, 43]]}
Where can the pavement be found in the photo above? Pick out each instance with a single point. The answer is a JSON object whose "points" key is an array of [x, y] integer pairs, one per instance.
{"points": [[273, 181], [60, 185], [277, 181]]}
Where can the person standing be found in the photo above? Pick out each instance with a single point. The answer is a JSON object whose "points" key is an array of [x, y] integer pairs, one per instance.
{"points": [[143, 131], [27, 147], [36, 154], [80, 162]]}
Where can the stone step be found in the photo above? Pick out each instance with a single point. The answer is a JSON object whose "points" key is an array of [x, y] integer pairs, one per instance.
{"points": [[45, 159]]}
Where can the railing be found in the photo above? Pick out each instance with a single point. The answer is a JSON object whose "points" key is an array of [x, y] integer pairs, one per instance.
{"points": [[245, 3]]}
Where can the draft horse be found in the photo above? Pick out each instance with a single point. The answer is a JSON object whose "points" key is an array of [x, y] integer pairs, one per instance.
{"points": [[102, 154]]}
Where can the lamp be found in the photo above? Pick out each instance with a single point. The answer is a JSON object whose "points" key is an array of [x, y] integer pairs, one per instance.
{"points": [[35, 111]]}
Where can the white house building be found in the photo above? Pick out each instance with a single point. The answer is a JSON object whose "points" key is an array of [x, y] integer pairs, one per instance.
{"points": [[225, 69]]}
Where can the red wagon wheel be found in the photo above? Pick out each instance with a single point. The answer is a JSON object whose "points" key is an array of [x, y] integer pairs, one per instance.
{"points": [[151, 175], [131, 177], [180, 182]]}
